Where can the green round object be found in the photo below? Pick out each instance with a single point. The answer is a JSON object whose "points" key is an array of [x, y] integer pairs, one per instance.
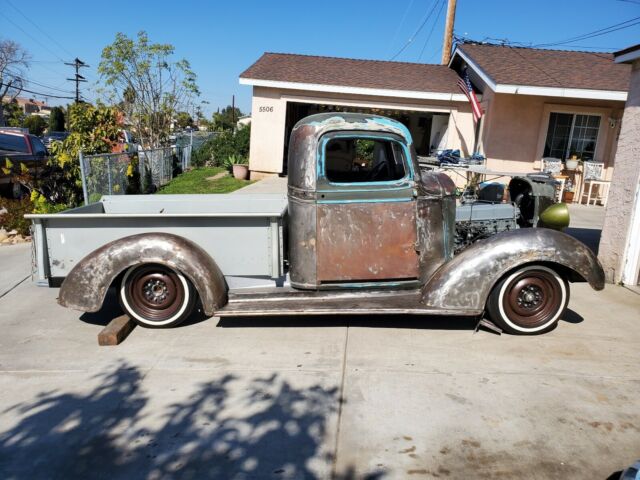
{"points": [[556, 216]]}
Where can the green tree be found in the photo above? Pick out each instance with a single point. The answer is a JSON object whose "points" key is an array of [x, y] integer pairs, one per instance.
{"points": [[226, 119], [183, 120], [56, 120], [13, 114], [150, 85], [223, 145], [36, 124]]}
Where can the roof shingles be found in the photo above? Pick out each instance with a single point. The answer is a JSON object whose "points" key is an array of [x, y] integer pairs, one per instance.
{"points": [[375, 74], [549, 68]]}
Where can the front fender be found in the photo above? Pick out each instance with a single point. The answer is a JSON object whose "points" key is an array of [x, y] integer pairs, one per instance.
{"points": [[466, 281], [86, 285]]}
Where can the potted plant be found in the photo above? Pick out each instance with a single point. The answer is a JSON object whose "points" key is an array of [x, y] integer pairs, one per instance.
{"points": [[238, 165], [567, 195], [572, 162]]}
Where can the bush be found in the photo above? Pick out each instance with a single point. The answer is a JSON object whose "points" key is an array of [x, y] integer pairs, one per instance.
{"points": [[224, 144], [35, 124], [14, 218]]}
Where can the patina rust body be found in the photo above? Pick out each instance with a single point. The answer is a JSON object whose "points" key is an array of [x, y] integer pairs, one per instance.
{"points": [[351, 248]]}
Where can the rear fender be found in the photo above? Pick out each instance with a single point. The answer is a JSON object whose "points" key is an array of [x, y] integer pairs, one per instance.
{"points": [[466, 281], [86, 285]]}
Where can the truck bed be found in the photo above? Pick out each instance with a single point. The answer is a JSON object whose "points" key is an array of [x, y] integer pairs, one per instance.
{"points": [[242, 233]]}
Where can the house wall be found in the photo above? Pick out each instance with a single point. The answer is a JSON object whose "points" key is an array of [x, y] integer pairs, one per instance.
{"points": [[268, 117], [515, 128], [620, 242]]}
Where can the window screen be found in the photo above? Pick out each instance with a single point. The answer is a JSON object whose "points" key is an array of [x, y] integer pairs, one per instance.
{"points": [[352, 160]]}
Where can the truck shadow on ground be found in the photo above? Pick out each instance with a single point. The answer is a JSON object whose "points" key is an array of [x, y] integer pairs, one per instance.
{"points": [[228, 428], [414, 322]]}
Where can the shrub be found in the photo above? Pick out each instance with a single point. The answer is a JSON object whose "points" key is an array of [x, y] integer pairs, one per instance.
{"points": [[35, 124], [14, 218], [217, 149]]}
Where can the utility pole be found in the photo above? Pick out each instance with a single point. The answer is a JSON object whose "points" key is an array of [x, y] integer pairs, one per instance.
{"points": [[448, 32], [78, 64], [233, 112]]}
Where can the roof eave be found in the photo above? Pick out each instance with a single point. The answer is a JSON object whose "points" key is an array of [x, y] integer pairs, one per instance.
{"points": [[378, 92]]}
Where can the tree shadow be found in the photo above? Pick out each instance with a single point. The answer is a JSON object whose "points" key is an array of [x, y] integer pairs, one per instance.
{"points": [[229, 428]]}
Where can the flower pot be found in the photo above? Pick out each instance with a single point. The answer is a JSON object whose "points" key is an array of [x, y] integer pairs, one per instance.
{"points": [[571, 164], [567, 197], [241, 172]]}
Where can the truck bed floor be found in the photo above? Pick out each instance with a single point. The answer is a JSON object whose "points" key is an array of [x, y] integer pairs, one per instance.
{"points": [[275, 302]]}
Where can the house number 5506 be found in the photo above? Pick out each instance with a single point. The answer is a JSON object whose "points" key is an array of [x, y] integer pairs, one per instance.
{"points": [[266, 109]]}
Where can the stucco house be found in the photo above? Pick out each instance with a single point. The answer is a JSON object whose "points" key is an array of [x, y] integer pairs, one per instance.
{"points": [[537, 103]]}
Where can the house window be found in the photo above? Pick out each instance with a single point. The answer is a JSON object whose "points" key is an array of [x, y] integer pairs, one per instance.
{"points": [[572, 134]]}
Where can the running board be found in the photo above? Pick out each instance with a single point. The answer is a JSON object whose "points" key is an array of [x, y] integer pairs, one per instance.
{"points": [[301, 302]]}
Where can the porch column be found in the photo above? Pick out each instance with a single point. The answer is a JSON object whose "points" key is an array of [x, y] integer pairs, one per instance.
{"points": [[620, 242]]}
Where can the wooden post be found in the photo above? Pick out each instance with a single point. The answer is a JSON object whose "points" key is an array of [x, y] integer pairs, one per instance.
{"points": [[116, 331], [448, 32]]}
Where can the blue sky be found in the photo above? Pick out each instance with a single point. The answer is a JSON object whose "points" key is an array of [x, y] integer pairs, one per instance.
{"points": [[221, 39]]}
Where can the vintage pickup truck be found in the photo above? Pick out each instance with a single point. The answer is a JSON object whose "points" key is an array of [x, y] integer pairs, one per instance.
{"points": [[361, 231]]}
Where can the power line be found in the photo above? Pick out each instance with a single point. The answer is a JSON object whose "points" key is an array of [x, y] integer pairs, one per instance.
{"points": [[39, 93], [435, 22], [32, 37], [404, 17], [412, 37], [595, 33], [38, 28], [18, 77]]}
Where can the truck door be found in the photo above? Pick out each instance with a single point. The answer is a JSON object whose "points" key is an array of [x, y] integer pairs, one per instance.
{"points": [[366, 213]]}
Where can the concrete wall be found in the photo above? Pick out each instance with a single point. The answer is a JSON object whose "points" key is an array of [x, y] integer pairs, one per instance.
{"points": [[268, 116], [617, 242]]}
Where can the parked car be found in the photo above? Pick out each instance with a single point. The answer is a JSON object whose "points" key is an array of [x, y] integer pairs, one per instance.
{"points": [[51, 137], [362, 230], [19, 147]]}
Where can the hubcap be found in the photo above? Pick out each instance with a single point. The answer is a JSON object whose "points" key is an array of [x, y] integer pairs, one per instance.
{"points": [[532, 298], [155, 292]]}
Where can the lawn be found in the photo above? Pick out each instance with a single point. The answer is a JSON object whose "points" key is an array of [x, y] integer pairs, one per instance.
{"points": [[198, 181]]}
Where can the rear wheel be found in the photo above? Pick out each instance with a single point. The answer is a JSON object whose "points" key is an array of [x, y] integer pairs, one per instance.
{"points": [[529, 301], [156, 296]]}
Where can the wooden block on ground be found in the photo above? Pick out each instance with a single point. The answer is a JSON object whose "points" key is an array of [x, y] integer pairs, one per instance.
{"points": [[116, 331]]}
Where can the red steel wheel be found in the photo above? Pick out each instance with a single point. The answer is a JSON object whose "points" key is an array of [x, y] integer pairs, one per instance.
{"points": [[156, 295], [529, 300]]}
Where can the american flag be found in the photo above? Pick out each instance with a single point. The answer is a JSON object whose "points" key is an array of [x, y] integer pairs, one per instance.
{"points": [[465, 85]]}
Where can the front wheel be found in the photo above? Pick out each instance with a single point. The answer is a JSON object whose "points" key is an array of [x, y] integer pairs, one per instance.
{"points": [[156, 296], [528, 301]]}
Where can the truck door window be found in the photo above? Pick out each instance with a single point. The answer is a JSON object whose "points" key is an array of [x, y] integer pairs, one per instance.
{"points": [[352, 160]]}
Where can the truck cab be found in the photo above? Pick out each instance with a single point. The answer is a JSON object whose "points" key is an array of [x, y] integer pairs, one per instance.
{"points": [[360, 212]]}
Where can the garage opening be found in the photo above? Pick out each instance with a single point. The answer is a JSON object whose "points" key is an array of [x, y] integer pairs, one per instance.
{"points": [[428, 129]]}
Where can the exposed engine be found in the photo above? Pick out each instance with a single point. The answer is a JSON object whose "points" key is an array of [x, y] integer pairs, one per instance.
{"points": [[531, 203], [478, 220]]}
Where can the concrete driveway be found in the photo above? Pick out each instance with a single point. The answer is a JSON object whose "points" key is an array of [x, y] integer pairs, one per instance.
{"points": [[338, 397]]}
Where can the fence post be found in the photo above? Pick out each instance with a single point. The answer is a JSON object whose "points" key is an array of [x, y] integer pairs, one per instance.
{"points": [[84, 180], [109, 174]]}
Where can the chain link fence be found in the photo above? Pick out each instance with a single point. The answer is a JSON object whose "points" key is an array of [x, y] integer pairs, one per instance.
{"points": [[143, 171]]}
